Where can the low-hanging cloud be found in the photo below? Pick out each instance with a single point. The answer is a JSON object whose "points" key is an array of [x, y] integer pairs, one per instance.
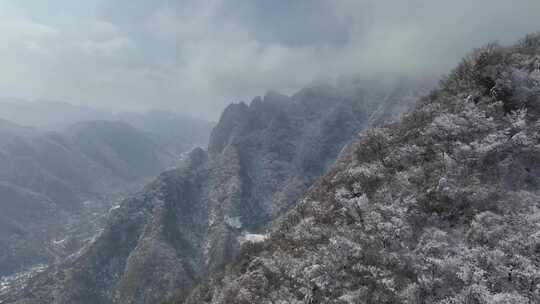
{"points": [[197, 56]]}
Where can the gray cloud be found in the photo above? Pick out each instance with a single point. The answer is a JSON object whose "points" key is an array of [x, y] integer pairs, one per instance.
{"points": [[197, 56]]}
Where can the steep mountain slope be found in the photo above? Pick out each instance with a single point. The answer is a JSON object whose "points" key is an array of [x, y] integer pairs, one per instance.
{"points": [[440, 207], [260, 160], [56, 184]]}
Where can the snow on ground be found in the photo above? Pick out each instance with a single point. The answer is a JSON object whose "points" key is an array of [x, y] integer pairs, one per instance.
{"points": [[19, 280], [252, 238]]}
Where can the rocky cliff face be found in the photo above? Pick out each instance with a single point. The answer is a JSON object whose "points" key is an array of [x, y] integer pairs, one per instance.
{"points": [[440, 207], [190, 221]]}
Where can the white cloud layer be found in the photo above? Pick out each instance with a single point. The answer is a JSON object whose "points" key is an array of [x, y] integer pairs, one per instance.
{"points": [[197, 56]]}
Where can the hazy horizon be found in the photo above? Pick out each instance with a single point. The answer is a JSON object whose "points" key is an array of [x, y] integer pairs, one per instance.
{"points": [[195, 57]]}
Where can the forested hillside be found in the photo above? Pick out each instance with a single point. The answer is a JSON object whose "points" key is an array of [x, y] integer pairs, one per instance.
{"points": [[191, 221], [440, 207]]}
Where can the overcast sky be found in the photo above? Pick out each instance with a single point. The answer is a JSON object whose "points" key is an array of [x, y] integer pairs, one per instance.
{"points": [[197, 56]]}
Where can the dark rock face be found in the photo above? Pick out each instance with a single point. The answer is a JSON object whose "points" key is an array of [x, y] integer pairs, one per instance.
{"points": [[261, 158], [440, 207]]}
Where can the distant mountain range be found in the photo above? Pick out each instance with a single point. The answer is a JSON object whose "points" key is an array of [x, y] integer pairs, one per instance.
{"points": [[173, 130], [191, 221], [57, 186], [44, 113]]}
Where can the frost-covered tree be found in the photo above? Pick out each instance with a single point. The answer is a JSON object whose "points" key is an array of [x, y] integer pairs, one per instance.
{"points": [[440, 207]]}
